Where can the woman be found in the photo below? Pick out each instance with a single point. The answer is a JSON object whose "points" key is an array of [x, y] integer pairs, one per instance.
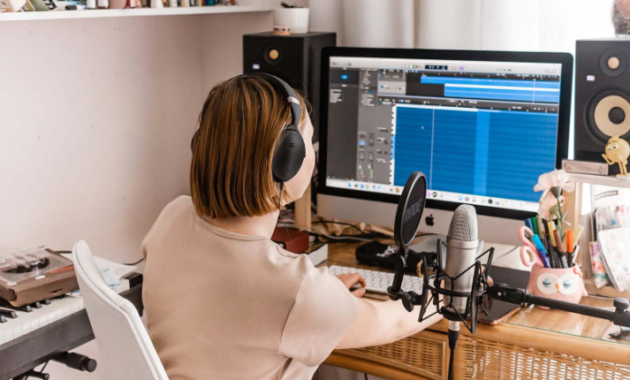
{"points": [[225, 302]]}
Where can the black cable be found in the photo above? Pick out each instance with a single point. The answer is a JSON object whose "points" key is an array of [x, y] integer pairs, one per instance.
{"points": [[136, 263], [353, 238], [366, 376], [453, 336], [60, 252], [450, 365], [325, 222], [363, 233], [508, 252], [341, 238]]}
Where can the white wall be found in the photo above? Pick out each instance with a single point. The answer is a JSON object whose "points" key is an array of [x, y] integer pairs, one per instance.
{"points": [[95, 122], [96, 117]]}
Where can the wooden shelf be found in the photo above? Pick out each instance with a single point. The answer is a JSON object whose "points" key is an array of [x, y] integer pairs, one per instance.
{"points": [[103, 13], [611, 181]]}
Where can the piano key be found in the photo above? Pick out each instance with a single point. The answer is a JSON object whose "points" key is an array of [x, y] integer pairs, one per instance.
{"points": [[27, 322], [8, 313], [5, 304]]}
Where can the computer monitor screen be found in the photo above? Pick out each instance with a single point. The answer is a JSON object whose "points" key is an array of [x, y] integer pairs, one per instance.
{"points": [[481, 126]]}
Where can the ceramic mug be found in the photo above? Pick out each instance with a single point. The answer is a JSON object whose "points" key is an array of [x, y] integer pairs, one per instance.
{"points": [[563, 284]]}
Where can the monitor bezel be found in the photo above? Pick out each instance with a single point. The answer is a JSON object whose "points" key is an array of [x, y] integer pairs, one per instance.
{"points": [[564, 117]]}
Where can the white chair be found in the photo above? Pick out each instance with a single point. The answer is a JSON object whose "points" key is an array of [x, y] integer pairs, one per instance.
{"points": [[126, 349]]}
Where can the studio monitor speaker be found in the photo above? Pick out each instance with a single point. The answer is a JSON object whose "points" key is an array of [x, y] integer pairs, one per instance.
{"points": [[602, 96], [295, 58]]}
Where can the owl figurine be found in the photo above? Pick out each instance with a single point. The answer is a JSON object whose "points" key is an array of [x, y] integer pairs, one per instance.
{"points": [[563, 284], [617, 151]]}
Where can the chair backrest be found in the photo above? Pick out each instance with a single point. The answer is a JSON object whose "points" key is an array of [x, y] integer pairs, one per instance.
{"points": [[126, 349]]}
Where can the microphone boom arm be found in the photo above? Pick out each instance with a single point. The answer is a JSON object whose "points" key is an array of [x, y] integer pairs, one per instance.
{"points": [[505, 293]]}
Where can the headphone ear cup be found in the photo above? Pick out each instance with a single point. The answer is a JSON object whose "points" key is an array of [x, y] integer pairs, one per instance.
{"points": [[288, 155]]}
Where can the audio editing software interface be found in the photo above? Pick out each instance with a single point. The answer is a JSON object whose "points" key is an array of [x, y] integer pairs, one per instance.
{"points": [[482, 132]]}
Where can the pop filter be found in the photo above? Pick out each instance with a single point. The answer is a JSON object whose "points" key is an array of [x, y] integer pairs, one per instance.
{"points": [[408, 217], [409, 212]]}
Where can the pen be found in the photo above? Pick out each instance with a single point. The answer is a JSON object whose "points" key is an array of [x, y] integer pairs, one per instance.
{"points": [[556, 235], [561, 251], [541, 229], [528, 224], [543, 238], [541, 250], [547, 238], [570, 246], [534, 225], [552, 247], [570, 242], [552, 228]]}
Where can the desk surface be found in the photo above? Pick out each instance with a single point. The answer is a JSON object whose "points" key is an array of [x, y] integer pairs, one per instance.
{"points": [[530, 324]]}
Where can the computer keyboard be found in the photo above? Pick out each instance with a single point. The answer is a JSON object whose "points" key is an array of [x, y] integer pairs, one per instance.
{"points": [[378, 282]]}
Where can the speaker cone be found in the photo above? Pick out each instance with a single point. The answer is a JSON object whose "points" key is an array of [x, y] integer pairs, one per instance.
{"points": [[608, 115]]}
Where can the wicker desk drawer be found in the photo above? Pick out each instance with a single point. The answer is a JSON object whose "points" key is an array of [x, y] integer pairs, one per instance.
{"points": [[485, 360], [423, 354]]}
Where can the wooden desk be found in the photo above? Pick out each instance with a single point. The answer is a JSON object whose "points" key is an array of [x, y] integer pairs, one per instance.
{"points": [[532, 344]]}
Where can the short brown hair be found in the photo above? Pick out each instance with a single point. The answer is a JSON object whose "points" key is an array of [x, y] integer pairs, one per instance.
{"points": [[239, 125]]}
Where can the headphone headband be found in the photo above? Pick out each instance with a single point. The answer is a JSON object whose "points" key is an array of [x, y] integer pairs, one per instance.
{"points": [[294, 103]]}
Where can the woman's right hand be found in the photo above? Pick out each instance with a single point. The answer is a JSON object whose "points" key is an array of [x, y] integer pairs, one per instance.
{"points": [[350, 280]]}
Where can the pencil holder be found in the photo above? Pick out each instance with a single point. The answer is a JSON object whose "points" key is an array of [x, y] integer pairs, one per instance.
{"points": [[564, 284]]}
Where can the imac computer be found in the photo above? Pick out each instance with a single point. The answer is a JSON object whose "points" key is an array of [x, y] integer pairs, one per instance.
{"points": [[481, 125]]}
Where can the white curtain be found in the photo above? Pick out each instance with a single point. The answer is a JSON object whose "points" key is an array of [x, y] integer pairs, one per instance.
{"points": [[526, 25], [366, 23]]}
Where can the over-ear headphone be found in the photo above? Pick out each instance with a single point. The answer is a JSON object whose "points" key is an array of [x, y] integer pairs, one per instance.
{"points": [[290, 149]]}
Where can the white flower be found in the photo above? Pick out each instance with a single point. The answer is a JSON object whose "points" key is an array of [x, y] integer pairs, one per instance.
{"points": [[556, 178], [546, 203]]}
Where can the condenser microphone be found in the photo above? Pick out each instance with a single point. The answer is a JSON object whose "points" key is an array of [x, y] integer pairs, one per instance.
{"points": [[461, 252], [461, 249]]}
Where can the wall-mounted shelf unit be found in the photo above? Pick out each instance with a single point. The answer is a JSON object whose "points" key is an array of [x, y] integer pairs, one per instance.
{"points": [[611, 181], [104, 13]]}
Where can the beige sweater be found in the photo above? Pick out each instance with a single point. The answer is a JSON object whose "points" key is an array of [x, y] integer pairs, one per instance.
{"points": [[222, 305]]}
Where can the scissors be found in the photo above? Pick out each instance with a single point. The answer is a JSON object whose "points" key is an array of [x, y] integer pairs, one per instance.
{"points": [[529, 253]]}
